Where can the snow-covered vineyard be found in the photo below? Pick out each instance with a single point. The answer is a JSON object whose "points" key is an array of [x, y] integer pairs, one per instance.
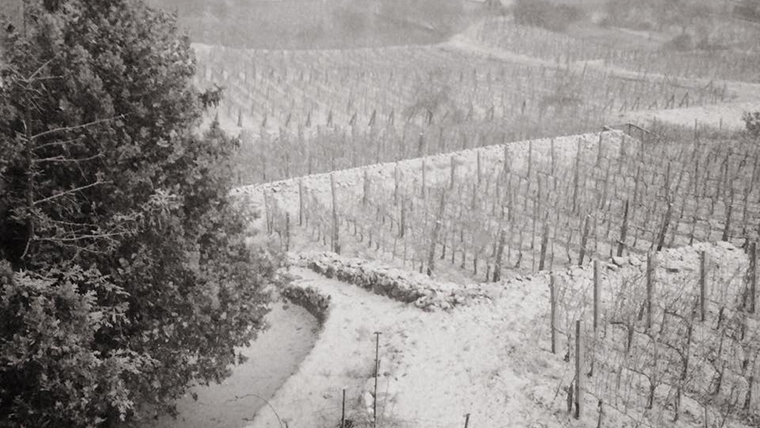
{"points": [[496, 254]]}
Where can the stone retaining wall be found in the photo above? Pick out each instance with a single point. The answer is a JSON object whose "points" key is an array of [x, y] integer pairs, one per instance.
{"points": [[397, 284], [310, 299]]}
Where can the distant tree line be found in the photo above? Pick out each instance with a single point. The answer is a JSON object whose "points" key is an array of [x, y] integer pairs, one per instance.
{"points": [[655, 14], [748, 9], [305, 24], [546, 14]]}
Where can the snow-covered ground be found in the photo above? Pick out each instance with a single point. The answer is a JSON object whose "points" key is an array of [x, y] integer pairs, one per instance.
{"points": [[437, 168], [273, 357], [490, 359], [743, 96], [727, 116]]}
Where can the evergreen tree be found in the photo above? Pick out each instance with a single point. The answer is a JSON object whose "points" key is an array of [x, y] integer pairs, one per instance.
{"points": [[125, 275]]}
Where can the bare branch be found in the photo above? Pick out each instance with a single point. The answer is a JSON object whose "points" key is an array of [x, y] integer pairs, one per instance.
{"points": [[42, 79], [39, 70], [83, 237], [60, 158], [58, 195], [80, 249], [57, 143], [68, 223], [72, 128]]}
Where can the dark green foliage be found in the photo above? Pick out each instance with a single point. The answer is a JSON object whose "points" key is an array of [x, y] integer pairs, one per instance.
{"points": [[752, 123], [657, 14], [680, 43], [126, 275], [51, 372], [748, 9], [542, 13]]}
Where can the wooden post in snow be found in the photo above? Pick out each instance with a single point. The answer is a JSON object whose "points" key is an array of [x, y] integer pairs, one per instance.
{"points": [[650, 287], [336, 226], [365, 196], [553, 157], [268, 214], [576, 177], [506, 161], [395, 184], [544, 247], [623, 231], [752, 277], [727, 228], [499, 256], [287, 231], [703, 285], [343, 410], [597, 292], [480, 177], [600, 151], [584, 240], [453, 172], [300, 203], [579, 375], [530, 160], [434, 236], [424, 180], [553, 311], [665, 225], [402, 221]]}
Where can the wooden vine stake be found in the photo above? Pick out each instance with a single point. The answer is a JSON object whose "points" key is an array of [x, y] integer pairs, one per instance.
{"points": [[584, 240], [576, 176], [544, 247], [300, 203], [650, 287], [287, 231], [530, 160], [365, 197], [402, 221], [267, 213], [727, 228], [597, 287], [553, 311], [703, 286], [579, 375], [665, 225], [506, 161], [424, 180], [553, 157], [395, 184], [499, 256], [434, 236], [600, 150], [752, 277], [336, 225], [453, 172], [600, 419], [623, 231]]}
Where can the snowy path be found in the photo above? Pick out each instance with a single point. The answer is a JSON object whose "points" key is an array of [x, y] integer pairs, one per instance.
{"points": [[342, 357], [490, 359], [479, 360], [272, 358]]}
